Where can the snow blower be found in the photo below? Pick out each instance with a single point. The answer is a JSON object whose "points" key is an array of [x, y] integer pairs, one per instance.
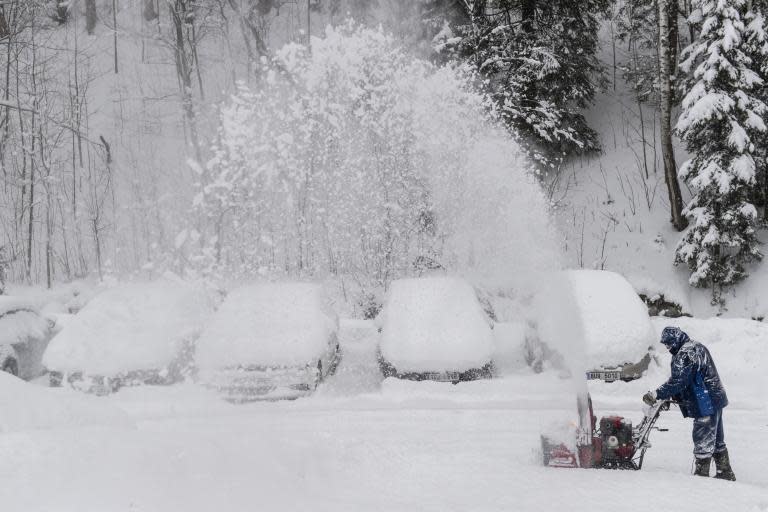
{"points": [[611, 444]]}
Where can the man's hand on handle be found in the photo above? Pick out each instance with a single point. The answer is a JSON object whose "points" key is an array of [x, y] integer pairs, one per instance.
{"points": [[650, 398]]}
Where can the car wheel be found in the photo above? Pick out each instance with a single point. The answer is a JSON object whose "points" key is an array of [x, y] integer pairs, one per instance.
{"points": [[10, 365]]}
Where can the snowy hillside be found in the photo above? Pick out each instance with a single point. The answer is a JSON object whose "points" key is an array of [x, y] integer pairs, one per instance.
{"points": [[613, 209]]}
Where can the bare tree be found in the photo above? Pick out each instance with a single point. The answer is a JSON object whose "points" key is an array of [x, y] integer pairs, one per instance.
{"points": [[4, 262], [184, 45], [90, 16]]}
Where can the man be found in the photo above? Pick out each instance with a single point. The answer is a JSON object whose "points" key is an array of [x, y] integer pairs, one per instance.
{"points": [[696, 387]]}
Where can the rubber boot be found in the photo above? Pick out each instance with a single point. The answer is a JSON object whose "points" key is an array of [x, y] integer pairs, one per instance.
{"points": [[702, 466], [723, 466]]}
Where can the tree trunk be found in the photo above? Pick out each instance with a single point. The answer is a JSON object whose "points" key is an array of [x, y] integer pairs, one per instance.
{"points": [[6, 96], [765, 195], [90, 16], [36, 104], [674, 36], [114, 30], [3, 267], [528, 13], [184, 64], [4, 30], [668, 154]]}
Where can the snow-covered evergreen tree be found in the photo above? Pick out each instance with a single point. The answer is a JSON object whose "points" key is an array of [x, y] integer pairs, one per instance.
{"points": [[757, 49], [637, 26], [721, 120], [540, 62]]}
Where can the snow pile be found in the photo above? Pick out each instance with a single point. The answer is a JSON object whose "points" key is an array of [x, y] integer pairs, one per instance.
{"points": [[134, 326], [26, 406], [613, 320], [20, 321], [276, 324], [434, 324]]}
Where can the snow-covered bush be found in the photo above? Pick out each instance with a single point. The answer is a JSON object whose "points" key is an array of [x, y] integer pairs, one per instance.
{"points": [[721, 120], [356, 158]]}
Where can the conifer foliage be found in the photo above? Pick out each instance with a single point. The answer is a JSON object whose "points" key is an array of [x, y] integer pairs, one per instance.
{"points": [[722, 117], [539, 58], [757, 48]]}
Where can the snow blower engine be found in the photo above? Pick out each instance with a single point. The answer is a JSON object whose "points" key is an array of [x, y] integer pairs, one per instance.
{"points": [[614, 445]]}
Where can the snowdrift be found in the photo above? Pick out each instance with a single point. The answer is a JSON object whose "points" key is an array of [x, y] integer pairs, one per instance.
{"points": [[27, 406]]}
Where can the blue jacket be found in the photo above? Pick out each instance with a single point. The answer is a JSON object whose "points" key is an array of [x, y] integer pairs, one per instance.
{"points": [[694, 382]]}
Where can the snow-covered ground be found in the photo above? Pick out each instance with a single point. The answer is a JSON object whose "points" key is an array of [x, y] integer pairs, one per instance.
{"points": [[361, 443]]}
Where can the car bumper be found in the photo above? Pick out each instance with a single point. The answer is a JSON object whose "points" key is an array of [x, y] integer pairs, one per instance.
{"points": [[484, 372], [94, 384], [243, 385]]}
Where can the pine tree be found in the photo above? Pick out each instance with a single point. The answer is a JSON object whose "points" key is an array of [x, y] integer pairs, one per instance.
{"points": [[539, 58], [757, 49], [722, 117], [637, 26]]}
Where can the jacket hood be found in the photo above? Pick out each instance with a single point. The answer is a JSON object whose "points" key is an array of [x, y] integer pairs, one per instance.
{"points": [[673, 338]]}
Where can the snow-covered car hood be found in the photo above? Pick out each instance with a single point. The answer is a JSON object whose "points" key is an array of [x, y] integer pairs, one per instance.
{"points": [[271, 325], [434, 325], [136, 326], [594, 318]]}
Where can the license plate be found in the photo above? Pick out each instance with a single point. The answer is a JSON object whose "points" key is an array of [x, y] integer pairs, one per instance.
{"points": [[606, 376], [443, 377]]}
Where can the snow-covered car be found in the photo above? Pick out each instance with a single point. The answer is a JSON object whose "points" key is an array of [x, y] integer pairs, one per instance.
{"points": [[24, 334], [434, 328], [597, 321], [134, 333], [268, 341]]}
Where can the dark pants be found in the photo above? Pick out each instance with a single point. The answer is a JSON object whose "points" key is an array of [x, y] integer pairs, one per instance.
{"points": [[708, 436]]}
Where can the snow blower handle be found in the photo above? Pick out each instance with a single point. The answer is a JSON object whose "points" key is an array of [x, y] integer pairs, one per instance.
{"points": [[642, 432]]}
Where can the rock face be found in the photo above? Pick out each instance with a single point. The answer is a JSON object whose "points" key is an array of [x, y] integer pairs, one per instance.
{"points": [[659, 306]]}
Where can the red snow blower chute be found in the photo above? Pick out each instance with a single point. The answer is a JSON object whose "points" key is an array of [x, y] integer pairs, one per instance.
{"points": [[611, 444]]}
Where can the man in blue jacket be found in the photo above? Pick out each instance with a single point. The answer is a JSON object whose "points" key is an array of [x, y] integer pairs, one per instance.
{"points": [[696, 387]]}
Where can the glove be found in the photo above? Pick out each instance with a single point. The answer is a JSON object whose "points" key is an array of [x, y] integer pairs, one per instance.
{"points": [[650, 398]]}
